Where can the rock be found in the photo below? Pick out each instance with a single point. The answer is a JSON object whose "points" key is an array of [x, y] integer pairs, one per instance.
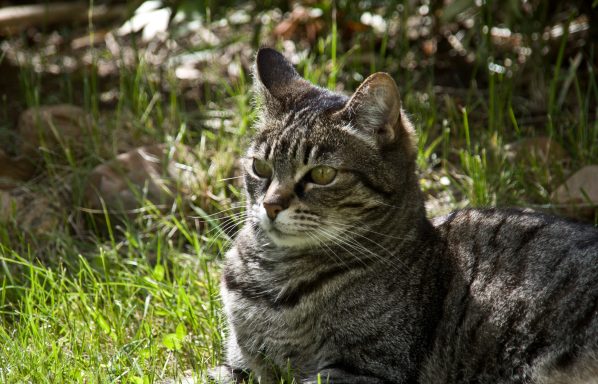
{"points": [[40, 215], [543, 150], [578, 196], [36, 213], [156, 173], [53, 128], [14, 170]]}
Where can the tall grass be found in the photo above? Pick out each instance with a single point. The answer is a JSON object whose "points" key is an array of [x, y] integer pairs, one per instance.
{"points": [[139, 303]]}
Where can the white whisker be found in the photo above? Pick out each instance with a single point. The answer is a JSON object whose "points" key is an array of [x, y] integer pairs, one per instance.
{"points": [[392, 260]]}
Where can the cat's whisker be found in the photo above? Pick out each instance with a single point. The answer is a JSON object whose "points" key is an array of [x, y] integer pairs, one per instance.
{"points": [[329, 251], [237, 223], [386, 204], [372, 242], [392, 261], [230, 178], [363, 227], [357, 231], [218, 215], [233, 206], [228, 219], [221, 230], [231, 226], [338, 240]]}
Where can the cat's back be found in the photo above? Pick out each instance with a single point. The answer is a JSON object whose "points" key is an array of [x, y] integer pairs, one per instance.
{"points": [[523, 298], [507, 239]]}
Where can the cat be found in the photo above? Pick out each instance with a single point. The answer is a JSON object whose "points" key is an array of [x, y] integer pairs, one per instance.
{"points": [[339, 276]]}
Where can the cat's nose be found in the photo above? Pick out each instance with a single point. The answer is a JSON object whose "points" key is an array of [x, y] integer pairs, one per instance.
{"points": [[277, 199], [273, 209]]}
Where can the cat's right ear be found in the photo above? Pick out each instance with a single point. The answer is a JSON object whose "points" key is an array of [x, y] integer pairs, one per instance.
{"points": [[274, 72], [276, 77]]}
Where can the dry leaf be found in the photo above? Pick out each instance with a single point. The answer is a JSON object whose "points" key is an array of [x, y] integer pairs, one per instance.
{"points": [[301, 23]]}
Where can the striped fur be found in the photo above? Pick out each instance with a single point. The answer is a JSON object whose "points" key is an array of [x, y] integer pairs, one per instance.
{"points": [[352, 282]]}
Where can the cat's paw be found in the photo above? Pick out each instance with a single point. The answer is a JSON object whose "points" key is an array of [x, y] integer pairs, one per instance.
{"points": [[338, 376], [223, 374]]}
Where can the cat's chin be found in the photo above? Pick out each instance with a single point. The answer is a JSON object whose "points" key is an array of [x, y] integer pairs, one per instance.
{"points": [[287, 240]]}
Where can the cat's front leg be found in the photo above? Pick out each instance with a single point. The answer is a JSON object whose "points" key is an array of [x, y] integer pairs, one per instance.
{"points": [[339, 376]]}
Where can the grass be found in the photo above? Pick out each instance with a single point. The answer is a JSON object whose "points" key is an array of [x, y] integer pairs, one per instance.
{"points": [[139, 303]]}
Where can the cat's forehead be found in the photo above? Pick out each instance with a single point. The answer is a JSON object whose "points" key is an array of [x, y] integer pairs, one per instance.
{"points": [[303, 139], [304, 126]]}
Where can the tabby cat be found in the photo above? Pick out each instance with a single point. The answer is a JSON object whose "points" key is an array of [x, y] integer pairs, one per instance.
{"points": [[338, 274]]}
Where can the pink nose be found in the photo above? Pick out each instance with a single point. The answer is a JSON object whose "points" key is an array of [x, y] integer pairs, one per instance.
{"points": [[272, 209]]}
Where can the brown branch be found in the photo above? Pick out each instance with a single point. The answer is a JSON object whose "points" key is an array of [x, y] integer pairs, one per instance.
{"points": [[18, 18]]}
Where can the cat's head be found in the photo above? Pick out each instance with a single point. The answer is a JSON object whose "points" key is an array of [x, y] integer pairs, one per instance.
{"points": [[321, 164]]}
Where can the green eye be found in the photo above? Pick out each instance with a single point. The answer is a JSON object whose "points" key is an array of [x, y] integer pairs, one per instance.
{"points": [[322, 175], [262, 168]]}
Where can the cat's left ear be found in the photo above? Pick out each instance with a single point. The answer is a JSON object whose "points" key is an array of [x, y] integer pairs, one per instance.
{"points": [[375, 109]]}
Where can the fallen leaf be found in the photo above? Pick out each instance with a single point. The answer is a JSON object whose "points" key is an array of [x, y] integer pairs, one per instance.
{"points": [[302, 22]]}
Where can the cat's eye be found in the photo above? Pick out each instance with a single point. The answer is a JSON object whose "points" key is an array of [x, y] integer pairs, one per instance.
{"points": [[322, 175], [262, 168]]}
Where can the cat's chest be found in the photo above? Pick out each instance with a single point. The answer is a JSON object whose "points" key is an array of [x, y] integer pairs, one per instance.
{"points": [[281, 334]]}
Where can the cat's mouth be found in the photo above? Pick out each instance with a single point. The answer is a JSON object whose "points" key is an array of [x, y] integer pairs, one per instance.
{"points": [[284, 235], [280, 230], [284, 231], [285, 239]]}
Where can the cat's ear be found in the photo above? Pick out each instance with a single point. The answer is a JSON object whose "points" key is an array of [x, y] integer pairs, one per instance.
{"points": [[375, 109], [276, 76]]}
